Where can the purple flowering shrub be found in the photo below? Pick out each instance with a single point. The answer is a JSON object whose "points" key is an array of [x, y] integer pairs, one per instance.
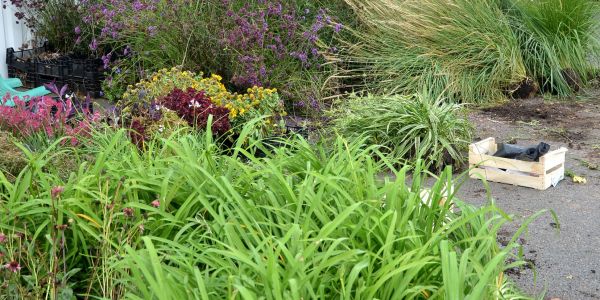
{"points": [[136, 38], [269, 43], [277, 44]]}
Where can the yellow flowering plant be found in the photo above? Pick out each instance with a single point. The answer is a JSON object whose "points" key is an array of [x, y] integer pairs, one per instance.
{"points": [[162, 82], [255, 103]]}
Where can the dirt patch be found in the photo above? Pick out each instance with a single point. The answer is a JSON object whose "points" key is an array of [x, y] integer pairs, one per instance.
{"points": [[573, 137], [533, 109]]}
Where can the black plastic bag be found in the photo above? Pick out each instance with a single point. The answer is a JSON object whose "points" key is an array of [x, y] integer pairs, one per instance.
{"points": [[522, 153]]}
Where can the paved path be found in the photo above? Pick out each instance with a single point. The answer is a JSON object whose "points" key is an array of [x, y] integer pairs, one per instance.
{"points": [[568, 262]]}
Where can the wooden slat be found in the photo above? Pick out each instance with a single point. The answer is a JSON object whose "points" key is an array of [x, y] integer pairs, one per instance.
{"points": [[548, 177], [506, 163], [537, 175], [503, 177], [486, 146], [553, 158]]}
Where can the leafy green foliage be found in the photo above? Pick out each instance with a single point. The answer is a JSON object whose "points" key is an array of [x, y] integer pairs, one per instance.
{"points": [[182, 220], [409, 127]]}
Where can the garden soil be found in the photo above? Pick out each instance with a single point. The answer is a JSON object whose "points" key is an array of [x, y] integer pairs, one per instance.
{"points": [[564, 256]]}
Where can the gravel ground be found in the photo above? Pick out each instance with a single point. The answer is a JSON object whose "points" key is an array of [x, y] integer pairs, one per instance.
{"points": [[567, 261]]}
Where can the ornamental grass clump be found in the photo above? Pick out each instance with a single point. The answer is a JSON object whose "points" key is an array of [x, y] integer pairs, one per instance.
{"points": [[184, 220], [559, 41], [408, 127], [463, 50]]}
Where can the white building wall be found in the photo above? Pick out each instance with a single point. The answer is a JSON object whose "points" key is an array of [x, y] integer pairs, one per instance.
{"points": [[11, 35]]}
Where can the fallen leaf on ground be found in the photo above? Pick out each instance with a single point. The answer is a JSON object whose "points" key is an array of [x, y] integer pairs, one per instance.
{"points": [[579, 179]]}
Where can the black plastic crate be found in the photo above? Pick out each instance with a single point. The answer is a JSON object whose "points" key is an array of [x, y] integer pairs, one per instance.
{"points": [[82, 75], [21, 60], [28, 79], [55, 68], [46, 79], [86, 69]]}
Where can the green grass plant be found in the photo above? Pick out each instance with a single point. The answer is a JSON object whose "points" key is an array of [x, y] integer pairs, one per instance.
{"points": [[185, 220], [462, 49], [559, 40]]}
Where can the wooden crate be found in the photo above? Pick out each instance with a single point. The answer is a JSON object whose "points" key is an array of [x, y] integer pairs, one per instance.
{"points": [[538, 175]]}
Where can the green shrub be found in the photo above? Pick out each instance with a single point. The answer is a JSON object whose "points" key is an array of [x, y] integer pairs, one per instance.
{"points": [[409, 127], [559, 40], [185, 221], [462, 49]]}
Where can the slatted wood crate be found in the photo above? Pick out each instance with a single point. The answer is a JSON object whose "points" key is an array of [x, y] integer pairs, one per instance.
{"points": [[538, 175]]}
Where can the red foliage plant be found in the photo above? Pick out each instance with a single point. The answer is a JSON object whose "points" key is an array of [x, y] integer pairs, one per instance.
{"points": [[195, 107], [45, 115]]}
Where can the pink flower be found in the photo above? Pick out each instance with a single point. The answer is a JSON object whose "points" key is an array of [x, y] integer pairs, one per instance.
{"points": [[13, 266], [155, 203], [2, 238], [56, 191]]}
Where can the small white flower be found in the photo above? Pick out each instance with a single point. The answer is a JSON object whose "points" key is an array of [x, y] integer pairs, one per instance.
{"points": [[161, 128], [194, 103]]}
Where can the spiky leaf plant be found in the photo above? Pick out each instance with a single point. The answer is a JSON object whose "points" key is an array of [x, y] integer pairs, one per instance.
{"points": [[408, 127]]}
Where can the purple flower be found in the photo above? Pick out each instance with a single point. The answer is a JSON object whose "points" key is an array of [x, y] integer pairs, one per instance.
{"points": [[315, 104], [338, 27], [106, 60], [94, 45], [152, 30], [128, 212], [77, 30]]}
